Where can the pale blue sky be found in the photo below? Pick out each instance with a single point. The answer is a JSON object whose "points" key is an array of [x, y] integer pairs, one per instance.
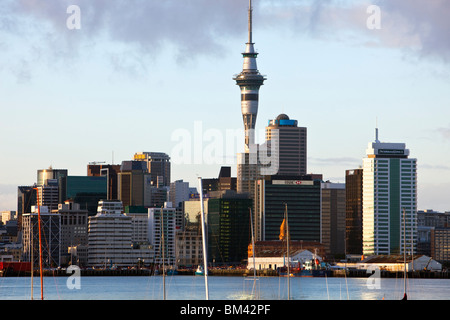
{"points": [[136, 73]]}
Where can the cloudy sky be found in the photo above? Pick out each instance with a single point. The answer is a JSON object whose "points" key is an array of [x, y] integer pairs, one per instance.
{"points": [[147, 75]]}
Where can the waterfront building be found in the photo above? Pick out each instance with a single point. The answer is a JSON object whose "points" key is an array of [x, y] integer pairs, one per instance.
{"points": [[110, 238], [162, 228], [353, 209], [389, 187], [440, 244], [291, 145], [157, 164], [432, 234], [139, 223], [273, 254], [301, 194], [189, 247], [74, 232], [192, 210], [396, 263], [333, 218], [228, 223], [50, 237]]}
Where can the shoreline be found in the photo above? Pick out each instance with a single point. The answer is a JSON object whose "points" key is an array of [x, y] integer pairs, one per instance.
{"points": [[350, 273]]}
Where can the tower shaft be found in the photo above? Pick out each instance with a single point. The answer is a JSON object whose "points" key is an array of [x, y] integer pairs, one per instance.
{"points": [[249, 81]]}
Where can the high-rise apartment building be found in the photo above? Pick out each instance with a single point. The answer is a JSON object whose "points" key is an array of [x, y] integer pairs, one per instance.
{"points": [[353, 208], [389, 188], [291, 141], [110, 237], [162, 229]]}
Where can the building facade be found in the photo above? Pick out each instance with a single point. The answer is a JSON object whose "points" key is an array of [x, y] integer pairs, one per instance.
{"points": [[389, 188], [158, 165], [353, 209], [110, 171], [50, 237], [301, 194], [291, 145], [110, 238], [228, 223], [74, 232], [333, 218], [87, 191], [162, 229]]}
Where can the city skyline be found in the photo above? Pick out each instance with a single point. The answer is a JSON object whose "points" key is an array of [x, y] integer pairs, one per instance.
{"points": [[129, 79]]}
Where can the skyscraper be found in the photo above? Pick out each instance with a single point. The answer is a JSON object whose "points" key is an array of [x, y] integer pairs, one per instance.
{"points": [[333, 217], [353, 211], [158, 166], [249, 81], [301, 194], [291, 145], [389, 187]]}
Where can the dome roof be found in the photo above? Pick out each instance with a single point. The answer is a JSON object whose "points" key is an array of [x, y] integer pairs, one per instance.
{"points": [[282, 117]]}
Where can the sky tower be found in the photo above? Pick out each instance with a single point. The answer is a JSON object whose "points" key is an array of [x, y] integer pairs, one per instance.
{"points": [[249, 80]]}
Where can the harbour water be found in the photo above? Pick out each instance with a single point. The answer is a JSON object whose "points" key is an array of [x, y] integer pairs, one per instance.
{"points": [[222, 288]]}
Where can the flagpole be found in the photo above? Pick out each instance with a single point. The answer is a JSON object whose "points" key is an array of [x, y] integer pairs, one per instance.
{"points": [[288, 256]]}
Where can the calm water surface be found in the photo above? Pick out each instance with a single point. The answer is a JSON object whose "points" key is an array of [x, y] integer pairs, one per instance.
{"points": [[223, 288]]}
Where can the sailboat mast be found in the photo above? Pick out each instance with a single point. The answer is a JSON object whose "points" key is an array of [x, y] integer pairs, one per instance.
{"points": [[205, 253], [40, 243], [163, 254], [253, 244], [404, 252], [288, 255]]}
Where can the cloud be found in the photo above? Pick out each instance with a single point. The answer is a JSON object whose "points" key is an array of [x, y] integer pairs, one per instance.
{"points": [[434, 167], [198, 28], [335, 161], [444, 132], [427, 21]]}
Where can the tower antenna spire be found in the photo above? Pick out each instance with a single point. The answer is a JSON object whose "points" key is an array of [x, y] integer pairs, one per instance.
{"points": [[250, 26]]}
